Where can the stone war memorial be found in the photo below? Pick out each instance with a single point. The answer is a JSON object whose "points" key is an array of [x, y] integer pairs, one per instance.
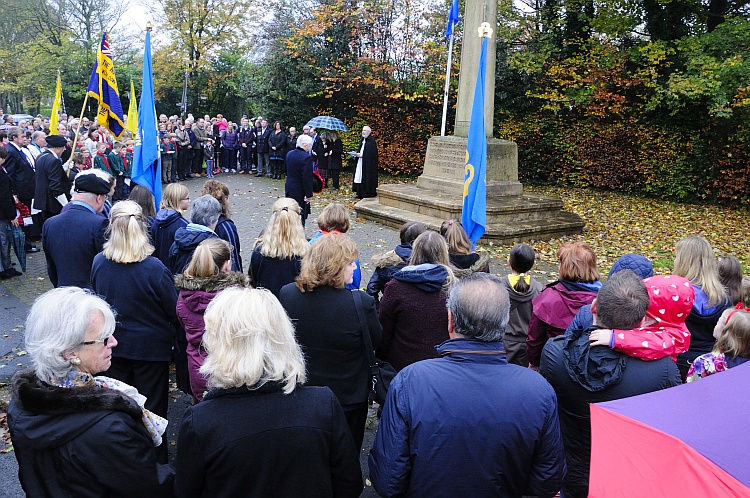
{"points": [[512, 215]]}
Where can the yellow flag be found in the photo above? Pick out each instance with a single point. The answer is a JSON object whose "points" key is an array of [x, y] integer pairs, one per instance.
{"points": [[132, 125], [55, 108]]}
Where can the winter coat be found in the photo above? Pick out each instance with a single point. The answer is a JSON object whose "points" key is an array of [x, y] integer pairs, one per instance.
{"points": [[71, 240], [518, 323], [386, 265], [166, 223], [277, 140], [291, 142], [259, 441], [273, 273], [185, 241], [82, 441], [261, 140], [553, 310], [413, 315], [337, 150], [7, 204], [246, 136], [144, 296], [195, 295], [226, 230], [299, 179], [581, 374], [500, 419], [328, 329], [701, 322], [21, 172], [230, 141], [51, 182]]}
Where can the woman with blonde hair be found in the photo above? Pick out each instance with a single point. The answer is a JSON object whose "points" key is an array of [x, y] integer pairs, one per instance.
{"points": [[694, 259], [277, 260], [171, 216], [461, 250], [257, 417], [329, 330], [554, 309], [225, 228], [335, 219], [412, 311], [142, 291], [207, 274]]}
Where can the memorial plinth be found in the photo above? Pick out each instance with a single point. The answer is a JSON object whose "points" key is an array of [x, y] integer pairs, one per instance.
{"points": [[438, 196]]}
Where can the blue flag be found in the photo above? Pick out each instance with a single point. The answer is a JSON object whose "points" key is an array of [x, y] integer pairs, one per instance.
{"points": [[474, 215], [146, 156], [103, 88], [452, 19]]}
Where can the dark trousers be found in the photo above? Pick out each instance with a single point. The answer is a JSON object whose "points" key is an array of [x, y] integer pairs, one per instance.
{"points": [[334, 174], [197, 165], [184, 162], [34, 231], [246, 158], [151, 378], [356, 420], [230, 158]]}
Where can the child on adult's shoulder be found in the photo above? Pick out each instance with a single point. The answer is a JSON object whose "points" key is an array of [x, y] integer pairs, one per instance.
{"points": [[461, 250], [522, 289], [663, 332], [732, 334]]}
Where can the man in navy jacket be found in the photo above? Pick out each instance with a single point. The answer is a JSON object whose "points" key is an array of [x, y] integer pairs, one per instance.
{"points": [[468, 423], [73, 238]]}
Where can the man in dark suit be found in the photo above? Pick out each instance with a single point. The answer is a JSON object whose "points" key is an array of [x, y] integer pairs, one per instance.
{"points": [[72, 238], [21, 173], [52, 184], [261, 140]]}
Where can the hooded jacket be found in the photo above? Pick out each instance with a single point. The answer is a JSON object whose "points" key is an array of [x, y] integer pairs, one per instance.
{"points": [[82, 441], [195, 296], [227, 230], [166, 223], [413, 315], [553, 310], [701, 322], [386, 265], [185, 241], [581, 374]]}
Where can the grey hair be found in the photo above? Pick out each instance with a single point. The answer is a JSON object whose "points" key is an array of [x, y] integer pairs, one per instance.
{"points": [[205, 210], [480, 307], [622, 301], [35, 136], [57, 324], [304, 140], [14, 131]]}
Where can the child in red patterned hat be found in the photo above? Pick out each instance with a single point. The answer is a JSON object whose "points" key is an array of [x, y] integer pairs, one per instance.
{"points": [[663, 332]]}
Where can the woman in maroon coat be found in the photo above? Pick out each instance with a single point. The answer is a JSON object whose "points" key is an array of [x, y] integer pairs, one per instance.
{"points": [[412, 311], [557, 305], [206, 275]]}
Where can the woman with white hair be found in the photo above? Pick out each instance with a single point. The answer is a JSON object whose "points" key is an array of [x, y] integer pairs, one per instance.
{"points": [[142, 291], [75, 433], [299, 175], [258, 431]]}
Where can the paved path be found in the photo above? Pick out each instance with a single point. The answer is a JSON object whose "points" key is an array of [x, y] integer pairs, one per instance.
{"points": [[251, 203]]}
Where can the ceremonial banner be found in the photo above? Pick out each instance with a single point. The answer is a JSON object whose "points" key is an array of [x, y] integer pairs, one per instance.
{"points": [[132, 126], [55, 114], [103, 88]]}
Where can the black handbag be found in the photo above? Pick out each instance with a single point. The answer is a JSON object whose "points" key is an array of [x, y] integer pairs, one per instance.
{"points": [[381, 372]]}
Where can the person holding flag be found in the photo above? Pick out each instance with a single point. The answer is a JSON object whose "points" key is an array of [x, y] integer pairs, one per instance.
{"points": [[474, 210], [146, 156]]}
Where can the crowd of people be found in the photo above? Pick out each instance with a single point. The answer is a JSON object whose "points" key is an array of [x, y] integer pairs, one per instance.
{"points": [[37, 168], [494, 373]]}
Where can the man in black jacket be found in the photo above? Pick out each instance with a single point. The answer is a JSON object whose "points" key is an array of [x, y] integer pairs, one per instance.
{"points": [[52, 184], [581, 374]]}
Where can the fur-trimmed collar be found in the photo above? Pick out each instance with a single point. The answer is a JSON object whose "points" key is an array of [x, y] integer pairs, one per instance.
{"points": [[389, 258], [482, 264], [220, 281], [37, 396]]}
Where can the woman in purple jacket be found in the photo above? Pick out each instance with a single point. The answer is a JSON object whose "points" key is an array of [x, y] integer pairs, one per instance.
{"points": [[230, 143], [206, 275]]}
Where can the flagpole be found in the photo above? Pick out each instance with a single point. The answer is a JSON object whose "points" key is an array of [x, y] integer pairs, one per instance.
{"points": [[78, 128], [447, 85]]}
